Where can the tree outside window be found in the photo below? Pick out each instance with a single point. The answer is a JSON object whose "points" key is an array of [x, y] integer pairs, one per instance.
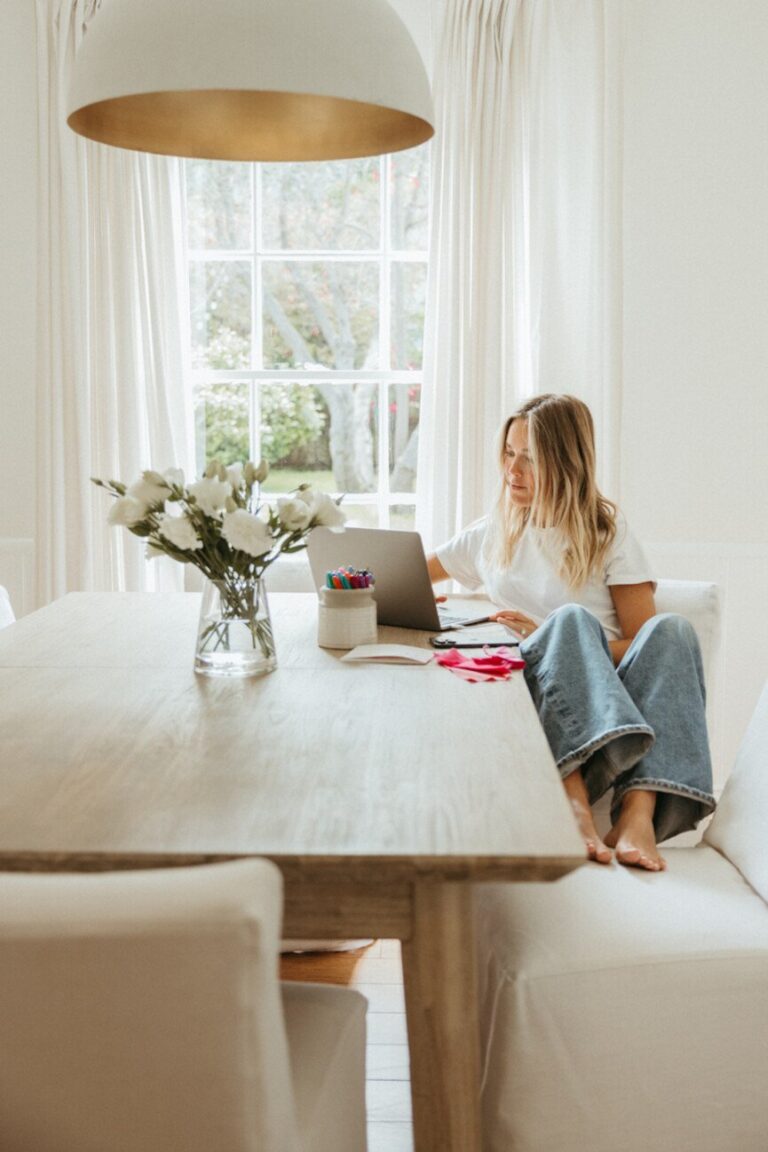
{"points": [[307, 289]]}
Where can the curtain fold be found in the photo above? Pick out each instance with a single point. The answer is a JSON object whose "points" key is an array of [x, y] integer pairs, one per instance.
{"points": [[524, 281], [113, 322]]}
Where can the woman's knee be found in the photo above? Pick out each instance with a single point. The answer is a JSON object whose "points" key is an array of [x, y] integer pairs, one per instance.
{"points": [[673, 635], [670, 626], [574, 617], [569, 625]]}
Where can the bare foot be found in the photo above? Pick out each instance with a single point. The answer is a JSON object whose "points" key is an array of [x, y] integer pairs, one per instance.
{"points": [[633, 834], [576, 791]]}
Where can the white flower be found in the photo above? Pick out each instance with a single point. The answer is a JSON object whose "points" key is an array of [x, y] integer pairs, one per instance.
{"points": [[174, 477], [211, 495], [256, 474], [152, 490], [235, 475], [246, 533], [126, 511], [153, 477], [179, 532], [295, 515], [326, 512], [152, 551]]}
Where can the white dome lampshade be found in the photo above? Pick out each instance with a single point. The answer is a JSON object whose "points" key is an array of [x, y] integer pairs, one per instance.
{"points": [[251, 79]]}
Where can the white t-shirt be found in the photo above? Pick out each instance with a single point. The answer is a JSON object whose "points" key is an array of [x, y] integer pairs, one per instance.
{"points": [[532, 584]]}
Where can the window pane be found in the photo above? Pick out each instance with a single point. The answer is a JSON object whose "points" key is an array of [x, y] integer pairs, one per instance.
{"points": [[325, 205], [220, 301], [408, 294], [403, 436], [402, 517], [361, 515], [319, 434], [409, 190], [294, 423], [321, 314], [221, 420], [218, 204]]}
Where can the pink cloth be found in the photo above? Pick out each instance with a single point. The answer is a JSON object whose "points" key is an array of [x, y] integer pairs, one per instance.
{"points": [[499, 666]]}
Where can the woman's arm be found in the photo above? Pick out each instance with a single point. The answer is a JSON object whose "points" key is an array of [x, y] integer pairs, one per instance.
{"points": [[436, 570], [634, 605]]}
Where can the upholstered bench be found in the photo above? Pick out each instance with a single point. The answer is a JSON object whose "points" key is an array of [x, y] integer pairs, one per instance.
{"points": [[625, 1011]]}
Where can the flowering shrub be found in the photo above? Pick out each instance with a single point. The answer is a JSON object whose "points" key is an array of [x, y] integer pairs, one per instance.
{"points": [[219, 523]]}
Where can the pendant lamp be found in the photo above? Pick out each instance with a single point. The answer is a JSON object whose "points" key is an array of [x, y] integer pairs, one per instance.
{"points": [[250, 79]]}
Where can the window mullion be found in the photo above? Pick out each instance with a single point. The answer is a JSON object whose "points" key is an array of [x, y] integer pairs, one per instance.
{"points": [[384, 344], [257, 359]]}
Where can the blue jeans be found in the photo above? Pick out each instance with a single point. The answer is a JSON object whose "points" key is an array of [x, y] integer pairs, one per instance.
{"points": [[639, 725]]}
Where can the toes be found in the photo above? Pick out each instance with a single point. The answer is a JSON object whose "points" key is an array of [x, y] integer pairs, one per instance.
{"points": [[634, 858], [630, 856], [596, 850]]}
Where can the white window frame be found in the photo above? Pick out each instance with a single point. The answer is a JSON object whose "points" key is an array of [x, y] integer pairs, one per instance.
{"points": [[384, 256]]}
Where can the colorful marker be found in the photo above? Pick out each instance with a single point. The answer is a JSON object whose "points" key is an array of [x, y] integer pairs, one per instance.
{"points": [[349, 578]]}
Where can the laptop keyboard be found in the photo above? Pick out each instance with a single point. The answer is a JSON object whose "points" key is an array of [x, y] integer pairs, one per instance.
{"points": [[449, 619]]}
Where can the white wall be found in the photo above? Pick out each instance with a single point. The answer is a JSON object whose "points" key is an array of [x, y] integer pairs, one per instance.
{"points": [[18, 255], [695, 366]]}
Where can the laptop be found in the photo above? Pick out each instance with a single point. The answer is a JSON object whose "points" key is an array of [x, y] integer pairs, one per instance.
{"points": [[402, 589]]}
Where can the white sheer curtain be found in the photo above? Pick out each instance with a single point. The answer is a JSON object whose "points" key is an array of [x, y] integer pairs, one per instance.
{"points": [[524, 285], [112, 309]]}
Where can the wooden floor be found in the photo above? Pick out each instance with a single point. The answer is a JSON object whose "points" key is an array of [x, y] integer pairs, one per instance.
{"points": [[375, 971]]}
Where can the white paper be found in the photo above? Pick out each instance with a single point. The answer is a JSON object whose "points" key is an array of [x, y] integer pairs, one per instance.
{"points": [[389, 654]]}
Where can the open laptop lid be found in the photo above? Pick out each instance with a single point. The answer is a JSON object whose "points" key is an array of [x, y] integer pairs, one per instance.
{"points": [[403, 591]]}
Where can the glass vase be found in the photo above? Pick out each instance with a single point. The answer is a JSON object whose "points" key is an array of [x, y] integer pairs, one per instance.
{"points": [[234, 634]]}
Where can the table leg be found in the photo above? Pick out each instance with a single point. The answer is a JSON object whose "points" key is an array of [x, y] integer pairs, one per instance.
{"points": [[441, 1007]]}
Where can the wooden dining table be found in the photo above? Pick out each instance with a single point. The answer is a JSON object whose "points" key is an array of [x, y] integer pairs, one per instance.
{"points": [[382, 792]]}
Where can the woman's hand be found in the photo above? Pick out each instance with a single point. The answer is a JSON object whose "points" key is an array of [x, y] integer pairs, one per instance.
{"points": [[521, 624]]}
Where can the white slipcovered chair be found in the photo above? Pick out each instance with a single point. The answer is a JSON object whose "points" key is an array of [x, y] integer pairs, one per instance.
{"points": [[627, 1011], [142, 1012], [6, 611]]}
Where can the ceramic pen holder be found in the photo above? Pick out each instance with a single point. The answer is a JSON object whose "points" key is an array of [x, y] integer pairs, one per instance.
{"points": [[346, 617]]}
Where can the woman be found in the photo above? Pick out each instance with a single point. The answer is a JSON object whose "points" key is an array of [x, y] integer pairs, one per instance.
{"points": [[619, 690]]}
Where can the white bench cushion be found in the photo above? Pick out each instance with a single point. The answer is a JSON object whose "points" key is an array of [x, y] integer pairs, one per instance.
{"points": [[739, 828], [625, 1010]]}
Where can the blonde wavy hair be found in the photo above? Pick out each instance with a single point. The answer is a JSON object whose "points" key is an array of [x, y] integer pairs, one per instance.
{"points": [[561, 442]]}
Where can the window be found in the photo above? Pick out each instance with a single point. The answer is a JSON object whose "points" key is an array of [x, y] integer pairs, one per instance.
{"points": [[307, 287]]}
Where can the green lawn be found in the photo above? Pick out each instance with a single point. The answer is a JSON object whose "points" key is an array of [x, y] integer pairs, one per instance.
{"points": [[286, 480]]}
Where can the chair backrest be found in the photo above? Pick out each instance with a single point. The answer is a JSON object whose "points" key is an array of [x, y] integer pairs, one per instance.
{"points": [[6, 611], [739, 828], [699, 602], [141, 1010]]}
